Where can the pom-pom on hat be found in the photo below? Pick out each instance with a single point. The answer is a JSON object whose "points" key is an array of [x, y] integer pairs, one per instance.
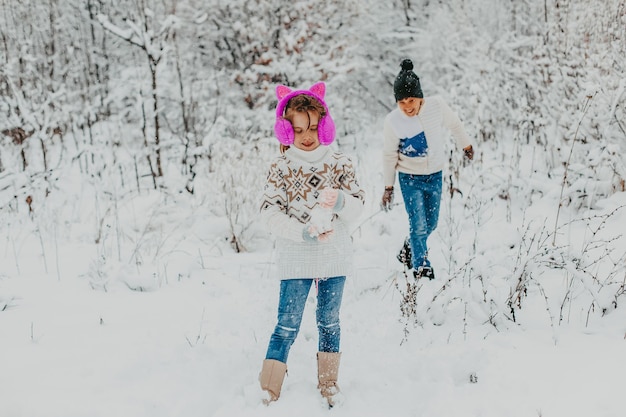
{"points": [[283, 128], [407, 84]]}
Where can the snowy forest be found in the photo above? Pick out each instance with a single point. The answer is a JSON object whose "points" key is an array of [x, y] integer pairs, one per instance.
{"points": [[135, 136]]}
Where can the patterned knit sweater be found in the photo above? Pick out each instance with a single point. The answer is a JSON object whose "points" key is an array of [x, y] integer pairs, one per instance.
{"points": [[426, 132], [293, 185]]}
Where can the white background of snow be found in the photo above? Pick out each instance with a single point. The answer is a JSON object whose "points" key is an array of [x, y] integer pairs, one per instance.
{"points": [[192, 343]]}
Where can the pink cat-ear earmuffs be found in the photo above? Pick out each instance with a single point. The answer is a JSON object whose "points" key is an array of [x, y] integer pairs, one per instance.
{"points": [[283, 128]]}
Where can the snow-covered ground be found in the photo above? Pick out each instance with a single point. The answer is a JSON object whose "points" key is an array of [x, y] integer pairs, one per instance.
{"points": [[116, 300], [188, 339]]}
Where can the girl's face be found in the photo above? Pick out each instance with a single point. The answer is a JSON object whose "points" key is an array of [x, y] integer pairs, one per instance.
{"points": [[305, 130], [411, 105]]}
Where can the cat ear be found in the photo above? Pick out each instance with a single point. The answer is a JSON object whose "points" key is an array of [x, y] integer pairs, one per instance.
{"points": [[282, 91], [319, 89]]}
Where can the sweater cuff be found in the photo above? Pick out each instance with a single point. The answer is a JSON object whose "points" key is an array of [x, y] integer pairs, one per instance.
{"points": [[340, 203], [306, 236]]}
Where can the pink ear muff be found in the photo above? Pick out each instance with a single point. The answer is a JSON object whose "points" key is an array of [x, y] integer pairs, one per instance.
{"points": [[284, 131], [283, 128], [326, 130]]}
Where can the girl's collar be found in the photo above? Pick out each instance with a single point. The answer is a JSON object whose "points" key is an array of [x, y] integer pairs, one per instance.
{"points": [[315, 155]]}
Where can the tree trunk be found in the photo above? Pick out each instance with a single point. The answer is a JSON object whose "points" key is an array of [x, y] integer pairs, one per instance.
{"points": [[155, 104]]}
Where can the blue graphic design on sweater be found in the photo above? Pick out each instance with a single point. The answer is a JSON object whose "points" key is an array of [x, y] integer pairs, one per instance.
{"points": [[414, 147]]}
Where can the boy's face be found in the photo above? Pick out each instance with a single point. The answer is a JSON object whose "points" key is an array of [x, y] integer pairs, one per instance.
{"points": [[411, 105], [305, 130]]}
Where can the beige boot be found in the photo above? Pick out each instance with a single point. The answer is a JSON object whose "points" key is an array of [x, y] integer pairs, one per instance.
{"points": [[271, 378], [327, 372]]}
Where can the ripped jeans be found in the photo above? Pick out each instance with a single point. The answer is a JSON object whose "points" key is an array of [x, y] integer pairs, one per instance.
{"points": [[293, 296]]}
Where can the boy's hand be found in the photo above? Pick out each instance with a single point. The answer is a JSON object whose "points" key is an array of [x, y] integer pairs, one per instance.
{"points": [[387, 199]]}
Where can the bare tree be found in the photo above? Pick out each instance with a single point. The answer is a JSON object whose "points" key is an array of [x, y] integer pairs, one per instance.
{"points": [[154, 42]]}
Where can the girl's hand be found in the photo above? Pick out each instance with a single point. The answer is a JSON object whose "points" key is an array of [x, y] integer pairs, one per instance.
{"points": [[320, 226], [325, 237], [331, 198], [312, 234]]}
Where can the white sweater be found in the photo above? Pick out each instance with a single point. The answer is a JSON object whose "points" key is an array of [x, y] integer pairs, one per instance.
{"points": [[434, 115], [293, 184]]}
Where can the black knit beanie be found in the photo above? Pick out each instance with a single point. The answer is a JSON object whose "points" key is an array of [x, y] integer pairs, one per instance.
{"points": [[407, 84]]}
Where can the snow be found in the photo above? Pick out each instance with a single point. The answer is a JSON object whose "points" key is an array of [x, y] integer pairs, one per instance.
{"points": [[190, 341], [120, 300]]}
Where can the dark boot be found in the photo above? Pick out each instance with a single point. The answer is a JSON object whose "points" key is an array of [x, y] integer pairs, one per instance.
{"points": [[404, 256], [424, 272]]}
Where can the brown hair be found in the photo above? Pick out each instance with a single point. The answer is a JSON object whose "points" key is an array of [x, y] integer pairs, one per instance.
{"points": [[302, 103]]}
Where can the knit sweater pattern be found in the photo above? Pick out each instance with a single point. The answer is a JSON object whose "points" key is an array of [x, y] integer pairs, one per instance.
{"points": [[294, 182], [434, 116]]}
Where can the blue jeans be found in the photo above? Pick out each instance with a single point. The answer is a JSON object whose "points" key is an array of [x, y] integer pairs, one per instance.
{"points": [[293, 295], [422, 198]]}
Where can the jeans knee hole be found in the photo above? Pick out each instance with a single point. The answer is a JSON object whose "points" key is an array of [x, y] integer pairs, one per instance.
{"points": [[328, 326], [285, 332]]}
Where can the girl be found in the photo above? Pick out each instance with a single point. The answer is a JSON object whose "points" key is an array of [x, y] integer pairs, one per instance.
{"points": [[310, 194]]}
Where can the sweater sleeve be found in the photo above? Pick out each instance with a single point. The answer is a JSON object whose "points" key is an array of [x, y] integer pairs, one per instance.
{"points": [[452, 122], [274, 207], [390, 154], [353, 194]]}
